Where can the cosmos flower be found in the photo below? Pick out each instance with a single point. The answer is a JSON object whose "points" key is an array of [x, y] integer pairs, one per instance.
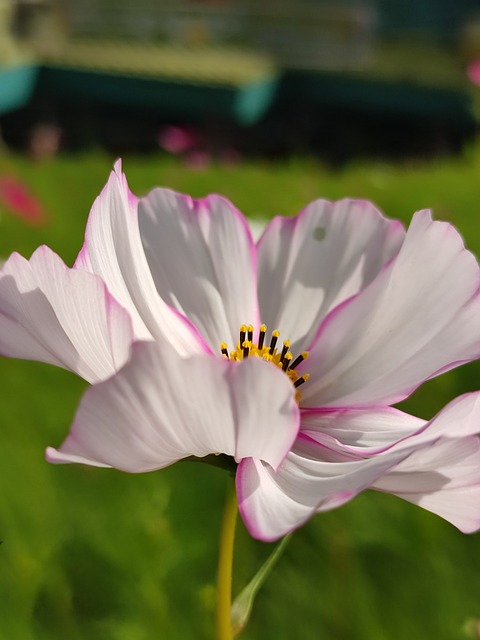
{"points": [[284, 355]]}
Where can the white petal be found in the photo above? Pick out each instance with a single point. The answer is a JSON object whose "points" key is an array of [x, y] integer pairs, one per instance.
{"points": [[203, 260], [363, 432], [316, 476], [417, 318], [443, 478], [113, 250], [460, 418], [161, 408], [311, 479], [309, 264], [62, 316], [360, 432]]}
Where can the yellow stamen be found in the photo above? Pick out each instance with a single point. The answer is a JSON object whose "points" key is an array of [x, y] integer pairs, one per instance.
{"points": [[286, 347], [286, 361], [261, 335], [223, 349], [246, 348], [301, 380], [273, 341], [303, 356], [243, 332]]}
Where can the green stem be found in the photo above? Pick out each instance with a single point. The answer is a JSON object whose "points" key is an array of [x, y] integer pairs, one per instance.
{"points": [[225, 565]]}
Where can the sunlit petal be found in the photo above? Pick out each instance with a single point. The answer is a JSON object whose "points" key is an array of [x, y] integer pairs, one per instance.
{"points": [[319, 475], [203, 261], [309, 264], [417, 318], [360, 432], [311, 479], [62, 316], [113, 250], [161, 408], [443, 478]]}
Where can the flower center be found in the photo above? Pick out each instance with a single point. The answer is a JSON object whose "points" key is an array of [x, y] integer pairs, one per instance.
{"points": [[283, 359]]}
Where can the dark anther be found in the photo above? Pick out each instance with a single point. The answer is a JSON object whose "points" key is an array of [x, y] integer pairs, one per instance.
{"points": [[297, 361], [273, 343], [299, 382], [261, 338]]}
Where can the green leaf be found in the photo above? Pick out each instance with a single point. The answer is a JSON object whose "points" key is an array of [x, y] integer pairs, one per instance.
{"points": [[242, 606]]}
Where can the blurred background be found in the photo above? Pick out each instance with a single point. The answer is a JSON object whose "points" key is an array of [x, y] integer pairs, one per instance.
{"points": [[334, 79], [272, 104]]}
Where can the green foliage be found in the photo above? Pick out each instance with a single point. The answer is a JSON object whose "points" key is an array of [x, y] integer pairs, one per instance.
{"points": [[93, 554]]}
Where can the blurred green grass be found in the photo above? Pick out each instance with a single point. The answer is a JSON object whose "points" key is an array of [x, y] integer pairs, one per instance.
{"points": [[97, 554]]}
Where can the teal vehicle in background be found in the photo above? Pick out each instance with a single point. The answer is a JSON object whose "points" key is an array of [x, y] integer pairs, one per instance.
{"points": [[17, 82], [313, 70], [18, 70]]}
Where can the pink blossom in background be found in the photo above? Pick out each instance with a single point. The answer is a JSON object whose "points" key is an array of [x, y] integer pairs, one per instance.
{"points": [[473, 71], [177, 139], [16, 197], [164, 311]]}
